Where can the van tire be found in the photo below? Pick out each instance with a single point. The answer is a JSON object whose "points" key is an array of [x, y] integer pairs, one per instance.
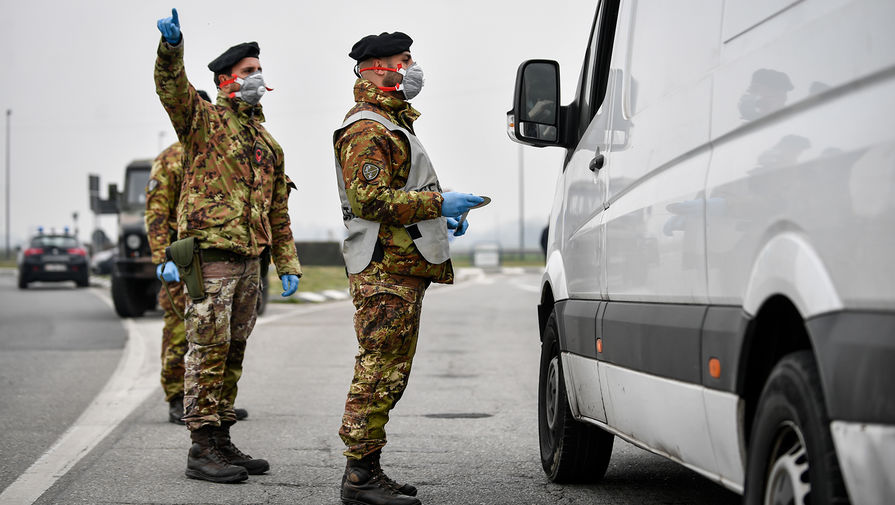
{"points": [[791, 450], [571, 451]]}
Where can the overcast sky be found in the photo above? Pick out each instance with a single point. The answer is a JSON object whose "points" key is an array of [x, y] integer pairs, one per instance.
{"points": [[79, 84]]}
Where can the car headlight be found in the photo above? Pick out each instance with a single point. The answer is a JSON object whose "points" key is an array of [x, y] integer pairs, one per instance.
{"points": [[132, 241]]}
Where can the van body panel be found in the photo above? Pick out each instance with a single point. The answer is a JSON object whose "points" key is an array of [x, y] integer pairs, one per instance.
{"points": [[848, 210], [657, 224], [855, 352], [582, 377], [660, 152], [740, 16], [788, 265], [581, 208], [554, 276], [658, 339], [723, 414], [665, 414], [867, 459]]}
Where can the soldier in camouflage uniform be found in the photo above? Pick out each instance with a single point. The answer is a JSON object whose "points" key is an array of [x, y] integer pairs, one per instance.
{"points": [[162, 194], [234, 201], [397, 245]]}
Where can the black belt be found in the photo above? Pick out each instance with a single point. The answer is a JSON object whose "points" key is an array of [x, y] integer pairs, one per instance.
{"points": [[213, 255]]}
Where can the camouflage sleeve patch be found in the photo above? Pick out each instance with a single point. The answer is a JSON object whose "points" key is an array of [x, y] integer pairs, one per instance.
{"points": [[371, 171]]}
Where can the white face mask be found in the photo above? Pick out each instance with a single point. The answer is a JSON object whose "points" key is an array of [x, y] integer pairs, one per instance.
{"points": [[412, 83], [251, 88]]}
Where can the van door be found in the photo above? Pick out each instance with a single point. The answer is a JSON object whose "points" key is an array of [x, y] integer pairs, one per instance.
{"points": [[585, 187], [656, 166]]}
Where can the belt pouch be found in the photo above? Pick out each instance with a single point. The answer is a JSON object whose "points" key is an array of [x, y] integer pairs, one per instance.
{"points": [[185, 254]]}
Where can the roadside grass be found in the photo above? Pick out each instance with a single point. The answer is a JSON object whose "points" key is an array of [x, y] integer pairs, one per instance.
{"points": [[7, 263], [313, 279], [508, 259]]}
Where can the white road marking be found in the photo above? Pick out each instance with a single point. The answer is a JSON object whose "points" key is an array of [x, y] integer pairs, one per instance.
{"points": [[131, 383], [134, 379]]}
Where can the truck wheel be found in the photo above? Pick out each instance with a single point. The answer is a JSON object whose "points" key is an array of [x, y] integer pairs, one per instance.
{"points": [[23, 283], [571, 451], [791, 455], [128, 300]]}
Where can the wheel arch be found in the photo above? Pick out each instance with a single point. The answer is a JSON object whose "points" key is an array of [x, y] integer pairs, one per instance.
{"points": [[788, 285], [778, 329], [553, 288]]}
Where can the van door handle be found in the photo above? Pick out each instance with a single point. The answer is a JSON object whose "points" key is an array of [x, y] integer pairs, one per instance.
{"points": [[597, 162]]}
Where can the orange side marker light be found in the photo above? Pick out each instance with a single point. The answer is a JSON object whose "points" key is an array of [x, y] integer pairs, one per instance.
{"points": [[715, 368], [599, 345]]}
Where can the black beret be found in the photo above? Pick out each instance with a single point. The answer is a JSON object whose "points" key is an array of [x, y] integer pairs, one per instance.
{"points": [[223, 63], [384, 44]]}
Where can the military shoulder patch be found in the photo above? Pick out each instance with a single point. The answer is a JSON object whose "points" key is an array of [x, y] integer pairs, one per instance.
{"points": [[152, 185], [370, 171]]}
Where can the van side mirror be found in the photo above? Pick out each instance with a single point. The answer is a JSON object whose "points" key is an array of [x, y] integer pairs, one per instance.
{"points": [[536, 115]]}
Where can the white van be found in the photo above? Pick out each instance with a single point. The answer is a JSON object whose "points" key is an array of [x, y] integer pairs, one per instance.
{"points": [[720, 279]]}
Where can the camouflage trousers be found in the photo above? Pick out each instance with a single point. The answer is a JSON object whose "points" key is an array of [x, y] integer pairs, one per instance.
{"points": [[173, 340], [217, 329], [387, 323]]}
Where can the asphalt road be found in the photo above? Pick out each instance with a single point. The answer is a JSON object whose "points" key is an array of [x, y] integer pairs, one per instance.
{"points": [[58, 346], [464, 433]]}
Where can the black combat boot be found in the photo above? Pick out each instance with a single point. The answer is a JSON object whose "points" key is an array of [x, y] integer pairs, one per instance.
{"points": [[363, 485], [241, 414], [233, 455], [405, 489], [205, 461], [175, 410]]}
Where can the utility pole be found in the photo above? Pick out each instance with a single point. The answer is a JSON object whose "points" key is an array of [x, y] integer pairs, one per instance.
{"points": [[8, 114], [521, 203]]}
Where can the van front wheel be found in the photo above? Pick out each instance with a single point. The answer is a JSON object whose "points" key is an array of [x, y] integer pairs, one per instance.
{"points": [[571, 451], [791, 455]]}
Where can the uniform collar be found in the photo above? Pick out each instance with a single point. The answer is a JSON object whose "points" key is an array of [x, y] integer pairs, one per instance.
{"points": [[366, 91], [242, 108]]}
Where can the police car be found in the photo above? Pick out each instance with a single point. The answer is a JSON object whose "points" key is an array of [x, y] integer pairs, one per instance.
{"points": [[53, 257]]}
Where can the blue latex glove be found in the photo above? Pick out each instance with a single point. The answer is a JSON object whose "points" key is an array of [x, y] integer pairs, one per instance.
{"points": [[453, 224], [168, 272], [170, 28], [290, 284], [457, 203]]}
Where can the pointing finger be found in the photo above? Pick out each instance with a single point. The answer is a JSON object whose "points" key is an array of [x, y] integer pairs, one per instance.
{"points": [[174, 15]]}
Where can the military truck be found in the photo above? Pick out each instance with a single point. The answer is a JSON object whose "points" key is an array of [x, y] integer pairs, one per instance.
{"points": [[134, 284]]}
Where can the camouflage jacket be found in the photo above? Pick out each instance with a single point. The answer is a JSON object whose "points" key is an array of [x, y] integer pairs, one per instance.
{"points": [[236, 190], [162, 195], [381, 198]]}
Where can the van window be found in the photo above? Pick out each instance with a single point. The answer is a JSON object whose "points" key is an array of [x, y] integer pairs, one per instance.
{"points": [[596, 64]]}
